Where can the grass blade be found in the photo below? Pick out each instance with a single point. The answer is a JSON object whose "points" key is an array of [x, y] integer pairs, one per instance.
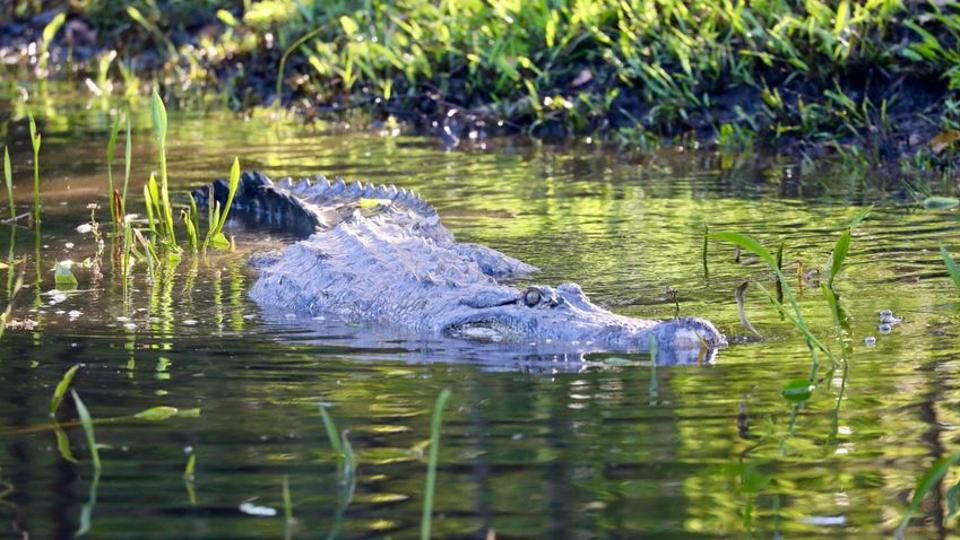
{"points": [[87, 422], [331, 430], [127, 154], [432, 464], [924, 484], [35, 142]]}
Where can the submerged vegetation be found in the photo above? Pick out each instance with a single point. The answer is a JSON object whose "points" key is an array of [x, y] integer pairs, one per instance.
{"points": [[874, 79]]}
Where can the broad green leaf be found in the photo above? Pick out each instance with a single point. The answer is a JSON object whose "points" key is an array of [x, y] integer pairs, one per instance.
{"points": [[61, 390], [798, 390], [155, 414]]}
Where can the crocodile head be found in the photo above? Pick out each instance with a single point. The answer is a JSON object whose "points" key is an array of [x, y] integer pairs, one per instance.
{"points": [[563, 319]]}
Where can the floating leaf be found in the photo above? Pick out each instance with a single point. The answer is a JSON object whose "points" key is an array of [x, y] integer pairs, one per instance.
{"points": [[942, 140], [62, 275], [61, 390], [941, 203], [155, 414], [798, 390]]}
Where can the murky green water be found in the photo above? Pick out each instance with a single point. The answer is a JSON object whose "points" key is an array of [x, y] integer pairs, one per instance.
{"points": [[531, 448]]}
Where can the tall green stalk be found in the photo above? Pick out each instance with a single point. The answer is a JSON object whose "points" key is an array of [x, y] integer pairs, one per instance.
{"points": [[432, 463], [111, 146], [166, 210], [127, 159], [35, 141]]}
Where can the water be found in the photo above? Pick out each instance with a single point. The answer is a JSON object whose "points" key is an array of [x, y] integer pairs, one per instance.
{"points": [[531, 448]]}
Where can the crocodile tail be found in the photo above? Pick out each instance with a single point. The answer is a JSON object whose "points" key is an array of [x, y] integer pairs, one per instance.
{"points": [[260, 202]]}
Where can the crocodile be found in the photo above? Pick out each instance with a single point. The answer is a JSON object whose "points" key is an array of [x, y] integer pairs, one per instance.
{"points": [[380, 255]]}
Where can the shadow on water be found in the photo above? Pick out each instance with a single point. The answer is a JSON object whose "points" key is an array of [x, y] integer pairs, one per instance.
{"points": [[602, 446]]}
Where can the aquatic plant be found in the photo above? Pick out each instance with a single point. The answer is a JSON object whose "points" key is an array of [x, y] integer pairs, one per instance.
{"points": [[115, 210], [87, 422], [431, 482], [218, 215], [46, 38], [161, 197], [925, 483], [61, 390], [35, 142], [8, 180], [127, 160]]}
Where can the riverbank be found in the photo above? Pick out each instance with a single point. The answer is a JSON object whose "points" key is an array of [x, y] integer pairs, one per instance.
{"points": [[872, 82]]}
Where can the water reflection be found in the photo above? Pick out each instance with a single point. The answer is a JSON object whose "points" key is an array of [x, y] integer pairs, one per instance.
{"points": [[531, 448]]}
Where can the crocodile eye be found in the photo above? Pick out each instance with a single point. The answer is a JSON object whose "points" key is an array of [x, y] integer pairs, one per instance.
{"points": [[532, 297]]}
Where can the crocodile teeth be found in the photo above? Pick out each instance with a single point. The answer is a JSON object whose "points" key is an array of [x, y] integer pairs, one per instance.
{"points": [[337, 187], [369, 191], [391, 191], [285, 183], [302, 187], [353, 191], [321, 186]]}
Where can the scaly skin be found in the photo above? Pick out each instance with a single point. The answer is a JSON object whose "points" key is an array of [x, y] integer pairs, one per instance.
{"points": [[381, 255]]}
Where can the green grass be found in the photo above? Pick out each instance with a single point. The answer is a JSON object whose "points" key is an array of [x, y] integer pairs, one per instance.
{"points": [[739, 72]]}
